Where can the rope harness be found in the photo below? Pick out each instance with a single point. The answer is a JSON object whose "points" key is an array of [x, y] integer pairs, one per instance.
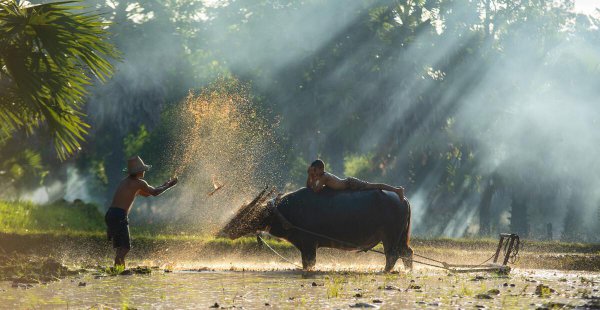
{"points": [[512, 246], [276, 253]]}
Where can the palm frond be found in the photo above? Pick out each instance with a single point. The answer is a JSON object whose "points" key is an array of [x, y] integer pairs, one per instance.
{"points": [[48, 53]]}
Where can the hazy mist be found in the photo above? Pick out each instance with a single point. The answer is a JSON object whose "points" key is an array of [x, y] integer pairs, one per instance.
{"points": [[448, 97]]}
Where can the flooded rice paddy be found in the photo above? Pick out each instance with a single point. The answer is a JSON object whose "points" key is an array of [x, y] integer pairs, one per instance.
{"points": [[289, 289], [201, 275]]}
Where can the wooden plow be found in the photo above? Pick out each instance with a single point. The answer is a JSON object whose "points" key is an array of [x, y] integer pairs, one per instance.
{"points": [[508, 245]]}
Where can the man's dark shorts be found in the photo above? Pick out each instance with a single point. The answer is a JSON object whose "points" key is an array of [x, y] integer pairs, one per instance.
{"points": [[117, 227], [355, 184]]}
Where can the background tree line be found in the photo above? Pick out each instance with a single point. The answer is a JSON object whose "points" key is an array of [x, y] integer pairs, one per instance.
{"points": [[484, 110]]}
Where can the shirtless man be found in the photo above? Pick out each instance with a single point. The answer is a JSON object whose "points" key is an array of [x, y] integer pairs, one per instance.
{"points": [[116, 217], [319, 179]]}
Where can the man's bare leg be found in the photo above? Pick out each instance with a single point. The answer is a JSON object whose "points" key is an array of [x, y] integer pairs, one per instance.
{"points": [[120, 257], [398, 190]]}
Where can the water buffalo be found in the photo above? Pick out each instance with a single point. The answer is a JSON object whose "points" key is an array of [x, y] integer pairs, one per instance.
{"points": [[349, 220]]}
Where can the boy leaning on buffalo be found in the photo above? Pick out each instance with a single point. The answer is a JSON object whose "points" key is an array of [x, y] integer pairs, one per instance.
{"points": [[116, 217], [318, 179]]}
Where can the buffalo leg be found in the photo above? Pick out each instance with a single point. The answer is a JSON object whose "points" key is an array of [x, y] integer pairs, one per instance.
{"points": [[390, 262], [309, 256], [407, 257], [391, 255]]}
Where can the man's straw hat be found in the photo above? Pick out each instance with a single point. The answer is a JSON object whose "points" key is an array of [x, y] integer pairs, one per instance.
{"points": [[136, 165]]}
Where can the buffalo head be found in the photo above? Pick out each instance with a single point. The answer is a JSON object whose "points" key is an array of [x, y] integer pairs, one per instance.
{"points": [[249, 218]]}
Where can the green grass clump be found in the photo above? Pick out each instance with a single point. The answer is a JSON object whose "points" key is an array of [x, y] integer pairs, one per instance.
{"points": [[334, 286], [115, 271], [20, 216]]}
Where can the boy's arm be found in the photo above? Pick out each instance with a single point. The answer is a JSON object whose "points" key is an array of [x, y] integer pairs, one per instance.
{"points": [[310, 183], [323, 181], [147, 190], [309, 180], [318, 188]]}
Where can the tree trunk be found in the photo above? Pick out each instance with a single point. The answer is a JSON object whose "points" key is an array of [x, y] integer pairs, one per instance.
{"points": [[519, 221], [484, 208]]}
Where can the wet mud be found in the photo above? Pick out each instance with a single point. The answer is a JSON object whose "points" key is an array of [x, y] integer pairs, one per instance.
{"points": [[189, 274], [213, 287]]}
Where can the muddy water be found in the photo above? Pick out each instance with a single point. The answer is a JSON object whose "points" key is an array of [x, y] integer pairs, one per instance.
{"points": [[422, 288]]}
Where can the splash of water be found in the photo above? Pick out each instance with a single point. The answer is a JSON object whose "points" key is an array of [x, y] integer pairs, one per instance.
{"points": [[224, 153]]}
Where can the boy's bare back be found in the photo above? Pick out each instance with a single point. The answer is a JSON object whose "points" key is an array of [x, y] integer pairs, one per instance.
{"points": [[328, 180]]}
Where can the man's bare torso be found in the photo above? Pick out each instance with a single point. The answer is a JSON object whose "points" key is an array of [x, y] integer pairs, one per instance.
{"points": [[126, 192]]}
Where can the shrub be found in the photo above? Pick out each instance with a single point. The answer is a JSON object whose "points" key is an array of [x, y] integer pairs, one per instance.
{"points": [[359, 166], [60, 215]]}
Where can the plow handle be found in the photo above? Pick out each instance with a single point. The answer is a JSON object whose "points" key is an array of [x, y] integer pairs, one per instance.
{"points": [[499, 247]]}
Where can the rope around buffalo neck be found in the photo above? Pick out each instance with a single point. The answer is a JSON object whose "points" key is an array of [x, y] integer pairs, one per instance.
{"points": [[276, 253]]}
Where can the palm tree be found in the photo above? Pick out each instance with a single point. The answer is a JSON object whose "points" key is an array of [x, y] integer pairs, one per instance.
{"points": [[48, 54]]}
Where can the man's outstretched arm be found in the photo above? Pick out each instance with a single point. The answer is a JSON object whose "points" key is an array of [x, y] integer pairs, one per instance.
{"points": [[147, 190]]}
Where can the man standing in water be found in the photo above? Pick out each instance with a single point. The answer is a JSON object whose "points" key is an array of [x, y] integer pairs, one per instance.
{"points": [[117, 215], [319, 179]]}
